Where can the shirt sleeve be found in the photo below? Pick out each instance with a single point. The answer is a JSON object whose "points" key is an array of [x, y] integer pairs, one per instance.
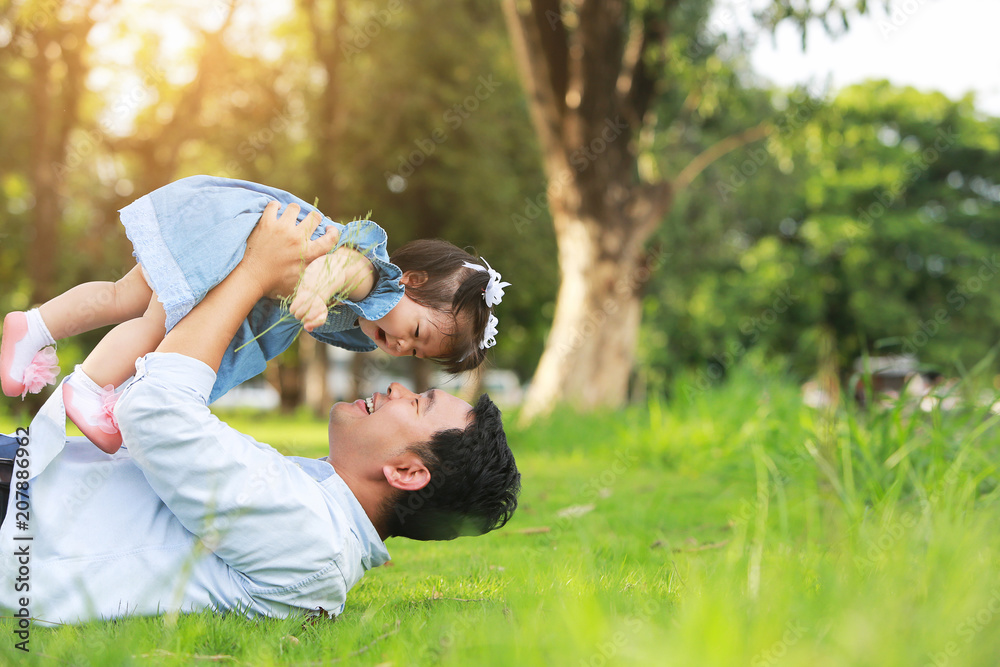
{"points": [[349, 339], [254, 508]]}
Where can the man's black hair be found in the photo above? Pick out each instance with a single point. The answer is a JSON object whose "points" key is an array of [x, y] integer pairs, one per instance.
{"points": [[473, 487]]}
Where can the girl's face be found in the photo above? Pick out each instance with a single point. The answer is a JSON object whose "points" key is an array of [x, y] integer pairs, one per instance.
{"points": [[409, 330]]}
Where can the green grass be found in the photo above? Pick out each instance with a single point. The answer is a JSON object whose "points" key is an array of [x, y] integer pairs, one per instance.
{"points": [[740, 528]]}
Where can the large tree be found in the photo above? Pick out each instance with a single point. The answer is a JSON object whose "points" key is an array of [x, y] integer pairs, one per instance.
{"points": [[593, 71], [51, 39]]}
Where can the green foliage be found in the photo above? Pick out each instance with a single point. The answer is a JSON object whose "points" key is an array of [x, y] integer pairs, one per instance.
{"points": [[871, 219], [737, 528], [249, 98]]}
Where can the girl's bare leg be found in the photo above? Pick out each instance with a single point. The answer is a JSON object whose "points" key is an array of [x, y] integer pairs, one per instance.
{"points": [[112, 361], [96, 304], [89, 393], [26, 366]]}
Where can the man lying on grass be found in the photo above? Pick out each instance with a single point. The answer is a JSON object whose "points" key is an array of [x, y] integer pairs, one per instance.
{"points": [[193, 515]]}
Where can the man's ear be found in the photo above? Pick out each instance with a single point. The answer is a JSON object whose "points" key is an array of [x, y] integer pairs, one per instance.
{"points": [[414, 278], [407, 472]]}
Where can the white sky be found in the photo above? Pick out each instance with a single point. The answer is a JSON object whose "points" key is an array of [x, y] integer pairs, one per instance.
{"points": [[946, 45]]}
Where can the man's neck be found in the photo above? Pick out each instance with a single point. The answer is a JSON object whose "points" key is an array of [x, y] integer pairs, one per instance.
{"points": [[370, 496]]}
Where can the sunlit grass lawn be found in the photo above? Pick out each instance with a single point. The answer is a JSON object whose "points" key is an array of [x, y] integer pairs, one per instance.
{"points": [[737, 528]]}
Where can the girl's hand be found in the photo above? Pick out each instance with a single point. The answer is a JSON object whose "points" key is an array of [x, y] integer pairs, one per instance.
{"points": [[278, 249], [310, 303]]}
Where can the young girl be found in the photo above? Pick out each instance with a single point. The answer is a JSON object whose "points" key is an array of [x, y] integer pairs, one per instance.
{"points": [[430, 300]]}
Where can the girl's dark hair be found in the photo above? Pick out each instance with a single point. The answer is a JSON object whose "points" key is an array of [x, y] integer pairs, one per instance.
{"points": [[450, 288]]}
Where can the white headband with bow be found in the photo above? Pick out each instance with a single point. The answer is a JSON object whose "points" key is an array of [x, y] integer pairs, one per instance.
{"points": [[493, 294]]}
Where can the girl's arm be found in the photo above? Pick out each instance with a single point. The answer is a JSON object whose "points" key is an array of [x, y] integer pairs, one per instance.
{"points": [[343, 274]]}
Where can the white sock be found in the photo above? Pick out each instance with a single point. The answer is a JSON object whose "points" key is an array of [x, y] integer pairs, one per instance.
{"points": [[36, 338], [37, 328], [86, 407], [83, 382]]}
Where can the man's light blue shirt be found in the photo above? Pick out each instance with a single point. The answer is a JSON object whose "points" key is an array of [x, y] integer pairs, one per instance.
{"points": [[189, 515]]}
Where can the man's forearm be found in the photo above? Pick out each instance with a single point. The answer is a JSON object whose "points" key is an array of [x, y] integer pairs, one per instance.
{"points": [[205, 332]]}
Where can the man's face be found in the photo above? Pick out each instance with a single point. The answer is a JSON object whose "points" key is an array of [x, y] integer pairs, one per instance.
{"points": [[409, 330], [365, 433]]}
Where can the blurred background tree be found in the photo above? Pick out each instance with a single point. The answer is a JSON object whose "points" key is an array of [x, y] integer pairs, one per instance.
{"points": [[752, 214], [870, 221], [600, 77]]}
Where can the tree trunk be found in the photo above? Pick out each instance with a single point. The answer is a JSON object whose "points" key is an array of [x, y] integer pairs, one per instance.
{"points": [[284, 372], [58, 68], [591, 69], [590, 350], [43, 246], [473, 389], [359, 384], [315, 365], [326, 36], [289, 386], [422, 370], [588, 90], [46, 152]]}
